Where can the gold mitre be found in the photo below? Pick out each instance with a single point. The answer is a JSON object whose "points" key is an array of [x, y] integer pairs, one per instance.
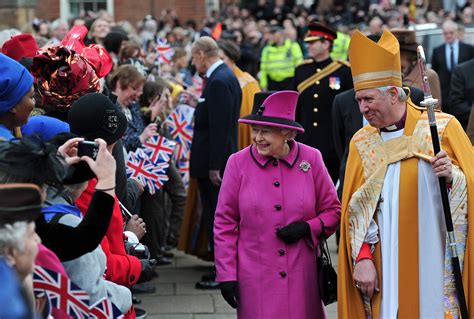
{"points": [[375, 64]]}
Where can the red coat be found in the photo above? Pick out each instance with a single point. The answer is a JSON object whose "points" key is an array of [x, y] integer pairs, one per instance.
{"points": [[122, 268]]}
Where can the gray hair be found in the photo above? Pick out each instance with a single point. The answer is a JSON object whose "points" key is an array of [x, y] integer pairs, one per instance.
{"points": [[57, 23], [449, 24], [402, 96], [207, 45], [13, 236], [289, 133]]}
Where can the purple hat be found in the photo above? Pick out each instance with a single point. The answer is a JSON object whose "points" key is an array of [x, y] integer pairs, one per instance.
{"points": [[274, 109]]}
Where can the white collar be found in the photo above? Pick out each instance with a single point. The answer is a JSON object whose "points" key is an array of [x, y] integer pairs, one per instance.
{"points": [[213, 67]]}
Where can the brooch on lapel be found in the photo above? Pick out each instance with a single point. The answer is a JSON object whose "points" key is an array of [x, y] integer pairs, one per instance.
{"points": [[305, 166]]}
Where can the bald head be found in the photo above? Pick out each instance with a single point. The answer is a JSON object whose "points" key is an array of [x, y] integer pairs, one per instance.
{"points": [[207, 45]]}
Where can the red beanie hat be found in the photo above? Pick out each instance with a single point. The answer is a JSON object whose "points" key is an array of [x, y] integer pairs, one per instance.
{"points": [[20, 46]]}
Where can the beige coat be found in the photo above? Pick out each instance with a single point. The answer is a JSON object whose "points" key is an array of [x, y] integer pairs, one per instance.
{"points": [[414, 79]]}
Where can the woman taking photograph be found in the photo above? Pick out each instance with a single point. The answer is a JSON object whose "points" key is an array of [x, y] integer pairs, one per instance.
{"points": [[275, 197]]}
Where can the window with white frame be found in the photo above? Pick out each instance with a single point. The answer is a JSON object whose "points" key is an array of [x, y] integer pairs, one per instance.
{"points": [[75, 8]]}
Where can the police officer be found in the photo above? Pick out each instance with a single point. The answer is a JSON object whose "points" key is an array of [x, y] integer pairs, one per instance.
{"points": [[278, 61], [318, 80]]}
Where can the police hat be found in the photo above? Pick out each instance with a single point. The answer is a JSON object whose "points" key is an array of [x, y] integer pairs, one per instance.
{"points": [[317, 31]]}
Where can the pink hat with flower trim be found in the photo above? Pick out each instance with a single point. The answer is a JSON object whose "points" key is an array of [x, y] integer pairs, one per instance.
{"points": [[274, 109]]}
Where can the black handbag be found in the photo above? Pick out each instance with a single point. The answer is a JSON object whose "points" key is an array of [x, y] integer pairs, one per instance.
{"points": [[327, 276]]}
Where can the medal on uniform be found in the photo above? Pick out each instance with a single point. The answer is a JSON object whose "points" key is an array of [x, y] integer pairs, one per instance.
{"points": [[305, 166], [335, 83]]}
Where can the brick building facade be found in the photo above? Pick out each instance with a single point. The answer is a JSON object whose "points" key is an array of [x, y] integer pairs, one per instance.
{"points": [[16, 13]]}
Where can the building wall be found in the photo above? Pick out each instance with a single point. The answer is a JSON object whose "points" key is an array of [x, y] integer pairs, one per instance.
{"points": [[134, 10], [47, 9], [185, 9]]}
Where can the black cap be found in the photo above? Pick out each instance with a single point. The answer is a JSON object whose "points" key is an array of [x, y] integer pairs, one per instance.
{"points": [[95, 116], [19, 202], [275, 28]]}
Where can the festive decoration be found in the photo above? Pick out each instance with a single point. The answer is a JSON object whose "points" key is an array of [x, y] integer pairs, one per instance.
{"points": [[150, 175], [64, 295], [164, 51], [179, 123], [183, 167], [159, 149]]}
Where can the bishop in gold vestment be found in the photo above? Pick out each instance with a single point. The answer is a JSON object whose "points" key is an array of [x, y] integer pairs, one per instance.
{"points": [[392, 223]]}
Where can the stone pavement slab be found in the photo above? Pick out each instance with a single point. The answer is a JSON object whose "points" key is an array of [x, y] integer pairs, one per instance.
{"points": [[176, 297]]}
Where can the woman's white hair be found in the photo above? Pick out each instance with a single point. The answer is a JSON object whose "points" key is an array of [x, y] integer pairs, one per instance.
{"points": [[12, 236], [288, 133], [402, 96]]}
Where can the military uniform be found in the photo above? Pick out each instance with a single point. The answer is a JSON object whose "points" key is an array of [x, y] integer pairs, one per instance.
{"points": [[318, 83]]}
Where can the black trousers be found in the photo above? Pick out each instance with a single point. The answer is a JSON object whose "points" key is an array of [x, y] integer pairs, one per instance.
{"points": [[208, 194]]}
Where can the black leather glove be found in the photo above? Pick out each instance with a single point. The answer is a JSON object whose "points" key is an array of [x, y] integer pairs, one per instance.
{"points": [[230, 292], [293, 232], [147, 273]]}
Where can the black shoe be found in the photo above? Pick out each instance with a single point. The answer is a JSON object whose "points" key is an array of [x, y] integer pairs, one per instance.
{"points": [[136, 301], [207, 285], [144, 288], [162, 261], [140, 313], [166, 254]]}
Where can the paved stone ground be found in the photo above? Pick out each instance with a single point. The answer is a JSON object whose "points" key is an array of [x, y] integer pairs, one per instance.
{"points": [[176, 297]]}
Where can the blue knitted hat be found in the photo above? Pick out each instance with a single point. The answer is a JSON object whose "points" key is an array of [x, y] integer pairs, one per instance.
{"points": [[15, 82]]}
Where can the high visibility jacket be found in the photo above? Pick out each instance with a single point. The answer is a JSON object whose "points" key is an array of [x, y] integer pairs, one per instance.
{"points": [[279, 62], [340, 47]]}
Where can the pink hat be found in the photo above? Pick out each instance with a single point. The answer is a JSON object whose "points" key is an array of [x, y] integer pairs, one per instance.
{"points": [[274, 109]]}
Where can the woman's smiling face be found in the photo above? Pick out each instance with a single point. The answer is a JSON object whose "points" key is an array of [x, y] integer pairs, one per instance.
{"points": [[268, 140]]}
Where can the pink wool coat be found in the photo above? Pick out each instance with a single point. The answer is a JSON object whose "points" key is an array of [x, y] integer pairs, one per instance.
{"points": [[258, 196]]}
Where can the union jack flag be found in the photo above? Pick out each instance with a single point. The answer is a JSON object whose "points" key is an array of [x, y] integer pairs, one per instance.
{"points": [[159, 148], [164, 51], [180, 127], [104, 309], [62, 293], [198, 83], [181, 153], [150, 175], [183, 167]]}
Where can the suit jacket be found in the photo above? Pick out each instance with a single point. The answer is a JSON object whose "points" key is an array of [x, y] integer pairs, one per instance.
{"points": [[347, 120], [215, 123], [439, 64], [470, 128], [461, 95], [314, 106]]}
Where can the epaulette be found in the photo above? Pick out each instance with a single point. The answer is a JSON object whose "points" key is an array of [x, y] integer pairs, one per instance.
{"points": [[306, 61], [344, 62]]}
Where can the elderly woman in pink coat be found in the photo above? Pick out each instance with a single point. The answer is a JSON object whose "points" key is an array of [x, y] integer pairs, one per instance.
{"points": [[275, 197]]}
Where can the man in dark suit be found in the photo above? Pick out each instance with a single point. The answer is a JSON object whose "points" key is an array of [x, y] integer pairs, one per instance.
{"points": [[446, 56], [318, 80], [347, 120], [461, 95], [215, 131]]}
